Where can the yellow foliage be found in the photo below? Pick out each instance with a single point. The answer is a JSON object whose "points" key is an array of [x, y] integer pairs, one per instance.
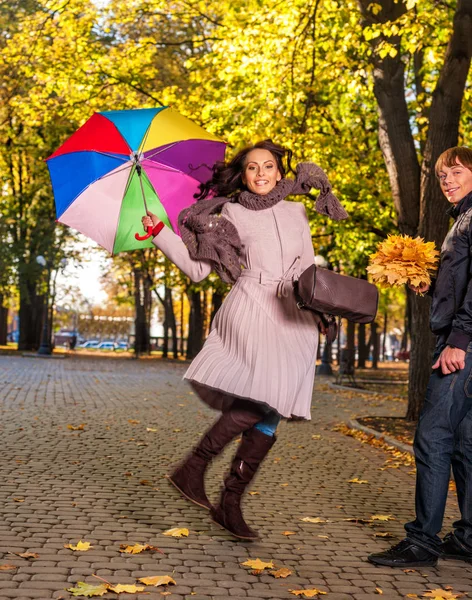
{"points": [[137, 548], [307, 593], [401, 259], [177, 532], [258, 564], [129, 589], [281, 573], [313, 520], [88, 590], [440, 594], [80, 547], [158, 580]]}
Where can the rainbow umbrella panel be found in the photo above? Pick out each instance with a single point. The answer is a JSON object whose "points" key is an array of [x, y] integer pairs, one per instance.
{"points": [[120, 163]]}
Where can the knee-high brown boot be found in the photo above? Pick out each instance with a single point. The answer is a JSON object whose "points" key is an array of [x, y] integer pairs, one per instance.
{"points": [[188, 477], [251, 452]]}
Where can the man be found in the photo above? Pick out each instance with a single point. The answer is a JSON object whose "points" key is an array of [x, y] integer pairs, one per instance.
{"points": [[444, 434]]}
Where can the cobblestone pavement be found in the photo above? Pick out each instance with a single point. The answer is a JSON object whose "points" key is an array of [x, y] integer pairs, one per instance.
{"points": [[105, 484]]}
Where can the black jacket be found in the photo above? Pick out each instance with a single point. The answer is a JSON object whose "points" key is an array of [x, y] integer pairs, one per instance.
{"points": [[451, 307]]}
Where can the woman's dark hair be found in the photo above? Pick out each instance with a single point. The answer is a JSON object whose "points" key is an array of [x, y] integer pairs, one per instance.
{"points": [[227, 176]]}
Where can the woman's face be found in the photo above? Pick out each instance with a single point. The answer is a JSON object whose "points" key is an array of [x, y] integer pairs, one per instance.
{"points": [[261, 173]]}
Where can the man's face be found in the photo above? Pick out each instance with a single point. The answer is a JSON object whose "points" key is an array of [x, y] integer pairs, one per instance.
{"points": [[455, 181]]}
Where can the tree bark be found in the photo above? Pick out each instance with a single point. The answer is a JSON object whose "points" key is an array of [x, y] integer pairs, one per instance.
{"points": [[30, 314], [375, 345], [142, 341], [362, 347], [216, 302], [3, 322], [195, 329]]}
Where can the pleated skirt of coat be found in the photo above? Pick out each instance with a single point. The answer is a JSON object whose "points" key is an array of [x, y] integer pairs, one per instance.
{"points": [[262, 348]]}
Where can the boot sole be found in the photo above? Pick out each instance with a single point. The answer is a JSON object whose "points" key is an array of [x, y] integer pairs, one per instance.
{"points": [[239, 537], [386, 563], [188, 497]]}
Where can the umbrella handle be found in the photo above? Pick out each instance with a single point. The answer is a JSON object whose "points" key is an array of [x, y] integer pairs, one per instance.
{"points": [[146, 236]]}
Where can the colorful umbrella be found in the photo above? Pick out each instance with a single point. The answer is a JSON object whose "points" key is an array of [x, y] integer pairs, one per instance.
{"points": [[120, 163]]}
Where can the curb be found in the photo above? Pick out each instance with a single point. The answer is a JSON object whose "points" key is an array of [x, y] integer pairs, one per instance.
{"points": [[354, 424]]}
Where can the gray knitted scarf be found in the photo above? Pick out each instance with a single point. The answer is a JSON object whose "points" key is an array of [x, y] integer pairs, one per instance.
{"points": [[209, 236]]}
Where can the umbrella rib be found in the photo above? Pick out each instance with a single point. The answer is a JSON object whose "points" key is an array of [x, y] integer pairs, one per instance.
{"points": [[114, 172], [109, 154], [159, 150]]}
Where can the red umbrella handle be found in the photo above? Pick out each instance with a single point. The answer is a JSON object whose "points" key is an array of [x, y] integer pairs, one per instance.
{"points": [[146, 236]]}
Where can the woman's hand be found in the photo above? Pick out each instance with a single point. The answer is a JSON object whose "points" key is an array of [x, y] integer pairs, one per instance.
{"points": [[150, 220]]}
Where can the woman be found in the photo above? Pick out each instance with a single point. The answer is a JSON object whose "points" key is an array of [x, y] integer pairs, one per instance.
{"points": [[258, 363]]}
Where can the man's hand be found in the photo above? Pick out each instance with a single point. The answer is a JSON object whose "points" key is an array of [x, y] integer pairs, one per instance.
{"points": [[419, 289], [450, 360]]}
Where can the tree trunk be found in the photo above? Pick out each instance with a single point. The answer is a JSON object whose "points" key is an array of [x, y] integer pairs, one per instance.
{"points": [[216, 302], [195, 328], [363, 348], [141, 341], [351, 338], [384, 339], [375, 345], [421, 354], [31, 315], [3, 322]]}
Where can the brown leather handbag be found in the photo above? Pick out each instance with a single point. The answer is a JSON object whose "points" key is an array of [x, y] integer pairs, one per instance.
{"points": [[329, 293]]}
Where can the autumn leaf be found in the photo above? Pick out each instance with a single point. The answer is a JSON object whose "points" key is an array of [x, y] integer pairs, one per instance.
{"points": [[378, 590], [134, 421], [7, 567], [80, 547], [357, 480], [137, 548], [151, 429], [307, 593], [288, 532], [80, 427], [176, 532], [129, 589], [88, 590], [383, 534], [26, 554], [254, 493], [402, 259], [281, 573], [258, 564], [157, 580], [18, 499], [440, 594], [313, 520], [382, 518]]}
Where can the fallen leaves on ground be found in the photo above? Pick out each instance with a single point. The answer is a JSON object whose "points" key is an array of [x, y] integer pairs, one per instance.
{"points": [[134, 421], [88, 590], [151, 429], [79, 547], [176, 532], [383, 534], [378, 590], [7, 567], [382, 518], [129, 589], [288, 532], [254, 493], [18, 499], [137, 548], [313, 520], [307, 593], [80, 427], [357, 480], [281, 573], [157, 580], [25, 554], [440, 594], [258, 564]]}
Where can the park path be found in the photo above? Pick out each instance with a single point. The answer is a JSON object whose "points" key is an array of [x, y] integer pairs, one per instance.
{"points": [[105, 484]]}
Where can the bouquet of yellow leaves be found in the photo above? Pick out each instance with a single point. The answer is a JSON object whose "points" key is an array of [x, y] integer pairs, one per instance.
{"points": [[402, 259]]}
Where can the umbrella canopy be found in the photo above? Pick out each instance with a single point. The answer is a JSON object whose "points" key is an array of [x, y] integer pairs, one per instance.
{"points": [[121, 162]]}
